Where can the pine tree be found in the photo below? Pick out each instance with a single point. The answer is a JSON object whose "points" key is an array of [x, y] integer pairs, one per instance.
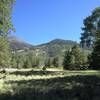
{"points": [[95, 56], [48, 62], [74, 59], [67, 63], [57, 61], [91, 29], [5, 54], [27, 63], [5, 28], [13, 61]]}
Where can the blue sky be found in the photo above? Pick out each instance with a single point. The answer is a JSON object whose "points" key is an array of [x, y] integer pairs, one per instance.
{"points": [[40, 21]]}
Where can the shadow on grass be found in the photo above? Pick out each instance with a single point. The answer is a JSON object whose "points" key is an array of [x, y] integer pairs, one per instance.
{"points": [[32, 72], [66, 88]]}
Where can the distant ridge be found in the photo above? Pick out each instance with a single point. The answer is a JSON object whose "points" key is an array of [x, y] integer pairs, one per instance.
{"points": [[52, 48], [56, 46], [18, 44]]}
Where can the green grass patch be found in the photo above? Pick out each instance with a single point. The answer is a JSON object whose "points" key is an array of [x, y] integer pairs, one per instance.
{"points": [[50, 85]]}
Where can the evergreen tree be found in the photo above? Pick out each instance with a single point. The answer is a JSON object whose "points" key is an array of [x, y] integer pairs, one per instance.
{"points": [[91, 36], [77, 57], [27, 63], [5, 54], [13, 61], [48, 62], [74, 59], [56, 62], [91, 29], [95, 56], [5, 28], [67, 63]]}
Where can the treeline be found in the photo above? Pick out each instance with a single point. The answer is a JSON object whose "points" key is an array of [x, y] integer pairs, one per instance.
{"points": [[31, 60]]}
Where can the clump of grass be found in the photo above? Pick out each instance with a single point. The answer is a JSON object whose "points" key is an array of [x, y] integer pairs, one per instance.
{"points": [[44, 68]]}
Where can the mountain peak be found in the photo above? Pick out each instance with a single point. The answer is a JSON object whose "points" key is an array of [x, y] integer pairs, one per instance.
{"points": [[17, 43], [14, 38], [62, 41]]}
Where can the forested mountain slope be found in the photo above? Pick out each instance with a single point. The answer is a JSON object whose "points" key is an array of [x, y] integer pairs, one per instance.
{"points": [[52, 48]]}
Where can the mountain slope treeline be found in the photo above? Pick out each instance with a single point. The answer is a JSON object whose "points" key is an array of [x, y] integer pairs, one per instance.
{"points": [[49, 54]]}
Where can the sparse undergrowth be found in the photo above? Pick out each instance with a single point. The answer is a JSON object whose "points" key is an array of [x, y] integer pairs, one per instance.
{"points": [[50, 85]]}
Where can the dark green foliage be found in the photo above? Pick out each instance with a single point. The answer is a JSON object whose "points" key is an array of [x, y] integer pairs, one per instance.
{"points": [[95, 56], [78, 58], [67, 63], [91, 29], [44, 68], [75, 59], [56, 62], [91, 37]]}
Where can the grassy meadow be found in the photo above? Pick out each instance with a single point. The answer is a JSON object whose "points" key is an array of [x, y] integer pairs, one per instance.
{"points": [[50, 85]]}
